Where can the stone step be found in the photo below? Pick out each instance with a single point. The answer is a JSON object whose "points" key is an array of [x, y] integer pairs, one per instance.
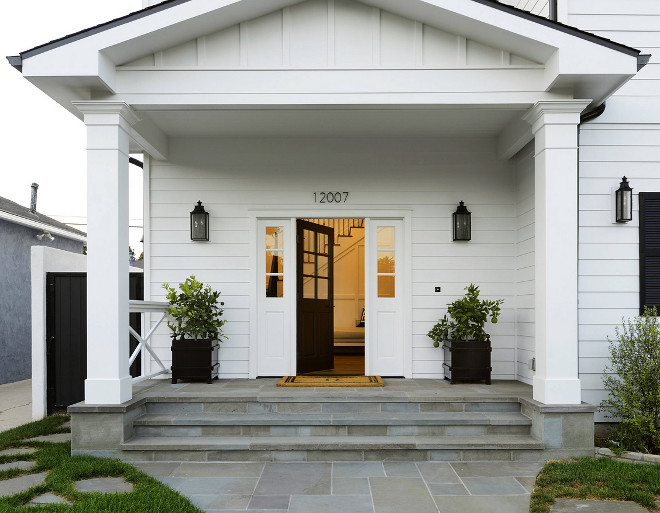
{"points": [[383, 424], [328, 404], [338, 448]]}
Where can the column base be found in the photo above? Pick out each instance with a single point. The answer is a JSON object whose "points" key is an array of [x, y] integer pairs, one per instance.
{"points": [[108, 391], [557, 391]]}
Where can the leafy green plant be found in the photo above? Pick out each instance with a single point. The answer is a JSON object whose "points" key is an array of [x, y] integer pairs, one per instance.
{"points": [[633, 383], [467, 318], [195, 310]]}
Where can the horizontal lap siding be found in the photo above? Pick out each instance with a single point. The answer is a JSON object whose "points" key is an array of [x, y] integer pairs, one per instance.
{"points": [[427, 176], [625, 140]]}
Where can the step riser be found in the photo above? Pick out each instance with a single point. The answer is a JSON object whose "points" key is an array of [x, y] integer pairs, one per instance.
{"points": [[343, 455], [332, 407], [295, 431]]}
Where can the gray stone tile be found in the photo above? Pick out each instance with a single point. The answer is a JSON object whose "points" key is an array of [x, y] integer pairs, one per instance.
{"points": [[20, 484], [218, 470], [211, 485], [571, 506], [497, 469], [331, 504], [295, 479], [401, 469], [350, 486], [104, 485], [436, 472], [472, 504], [493, 486], [228, 502], [157, 469], [201, 500], [447, 489], [527, 482], [22, 465], [56, 438], [358, 469], [398, 494], [47, 498], [19, 451], [269, 502]]}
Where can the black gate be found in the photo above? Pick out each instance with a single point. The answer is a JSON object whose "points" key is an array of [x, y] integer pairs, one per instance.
{"points": [[66, 336]]}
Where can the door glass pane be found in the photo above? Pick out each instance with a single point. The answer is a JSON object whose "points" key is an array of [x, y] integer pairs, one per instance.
{"points": [[323, 243], [309, 290], [274, 237], [323, 289], [386, 286], [386, 237], [323, 266], [309, 264], [309, 241], [274, 286], [386, 262], [274, 262]]}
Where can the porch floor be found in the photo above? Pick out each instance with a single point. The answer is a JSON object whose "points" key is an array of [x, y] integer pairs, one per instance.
{"points": [[264, 389]]}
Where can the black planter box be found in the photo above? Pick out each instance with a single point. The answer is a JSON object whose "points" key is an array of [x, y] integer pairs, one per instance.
{"points": [[194, 360], [467, 361]]}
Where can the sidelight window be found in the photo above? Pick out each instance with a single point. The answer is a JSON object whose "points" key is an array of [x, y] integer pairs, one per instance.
{"points": [[274, 261]]}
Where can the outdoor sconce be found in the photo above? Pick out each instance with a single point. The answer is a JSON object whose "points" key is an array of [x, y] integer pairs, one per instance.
{"points": [[199, 223], [462, 225], [624, 202]]}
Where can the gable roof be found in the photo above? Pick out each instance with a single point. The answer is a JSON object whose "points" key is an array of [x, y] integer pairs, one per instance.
{"points": [[15, 213], [16, 61]]}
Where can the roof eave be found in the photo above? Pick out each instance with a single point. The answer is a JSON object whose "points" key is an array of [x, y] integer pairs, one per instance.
{"points": [[16, 61]]}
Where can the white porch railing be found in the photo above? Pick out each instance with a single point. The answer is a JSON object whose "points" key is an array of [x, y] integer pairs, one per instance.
{"points": [[147, 307]]}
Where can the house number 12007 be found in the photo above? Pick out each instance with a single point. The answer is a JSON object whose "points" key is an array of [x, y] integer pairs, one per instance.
{"points": [[330, 197]]}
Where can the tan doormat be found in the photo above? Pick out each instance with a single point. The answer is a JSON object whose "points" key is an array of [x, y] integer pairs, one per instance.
{"points": [[331, 381]]}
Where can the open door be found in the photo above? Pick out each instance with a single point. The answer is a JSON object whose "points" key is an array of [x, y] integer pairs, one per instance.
{"points": [[315, 315]]}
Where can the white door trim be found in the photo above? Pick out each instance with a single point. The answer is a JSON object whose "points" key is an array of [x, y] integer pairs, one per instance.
{"points": [[289, 214]]}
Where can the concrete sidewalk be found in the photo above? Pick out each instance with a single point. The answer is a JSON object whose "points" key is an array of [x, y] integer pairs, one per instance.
{"points": [[15, 404]]}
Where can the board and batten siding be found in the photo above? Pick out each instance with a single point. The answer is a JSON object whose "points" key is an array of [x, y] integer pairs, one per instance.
{"points": [[625, 140], [426, 176]]}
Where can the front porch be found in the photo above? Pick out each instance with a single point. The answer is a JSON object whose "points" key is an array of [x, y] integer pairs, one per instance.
{"points": [[407, 420]]}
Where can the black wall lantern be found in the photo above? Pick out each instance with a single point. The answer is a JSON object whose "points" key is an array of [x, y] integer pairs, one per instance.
{"points": [[624, 202], [462, 223], [199, 223]]}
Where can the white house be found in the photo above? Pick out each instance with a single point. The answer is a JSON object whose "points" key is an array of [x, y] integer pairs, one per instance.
{"points": [[385, 114]]}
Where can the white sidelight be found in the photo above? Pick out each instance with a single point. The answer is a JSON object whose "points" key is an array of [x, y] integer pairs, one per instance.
{"points": [[108, 126], [555, 128]]}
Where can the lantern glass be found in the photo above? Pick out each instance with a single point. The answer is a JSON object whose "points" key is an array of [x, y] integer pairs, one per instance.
{"points": [[462, 223], [199, 223], [624, 202]]}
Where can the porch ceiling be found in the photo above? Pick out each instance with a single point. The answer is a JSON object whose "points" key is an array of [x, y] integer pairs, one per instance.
{"points": [[422, 121]]}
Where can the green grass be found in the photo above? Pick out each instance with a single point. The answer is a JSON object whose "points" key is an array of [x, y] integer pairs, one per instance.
{"points": [[149, 495], [600, 479]]}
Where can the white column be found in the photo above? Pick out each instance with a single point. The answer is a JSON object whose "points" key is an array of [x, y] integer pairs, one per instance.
{"points": [[555, 128], [108, 126]]}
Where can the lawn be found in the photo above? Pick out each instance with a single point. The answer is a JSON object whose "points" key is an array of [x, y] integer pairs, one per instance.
{"points": [[600, 479], [149, 495]]}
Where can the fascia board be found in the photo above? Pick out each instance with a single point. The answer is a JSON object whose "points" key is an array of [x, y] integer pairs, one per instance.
{"points": [[38, 225]]}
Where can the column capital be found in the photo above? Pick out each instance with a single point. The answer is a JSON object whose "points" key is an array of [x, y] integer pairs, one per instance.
{"points": [[555, 112], [96, 112]]}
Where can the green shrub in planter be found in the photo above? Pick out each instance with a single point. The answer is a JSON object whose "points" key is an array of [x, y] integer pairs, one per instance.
{"points": [[634, 386]]}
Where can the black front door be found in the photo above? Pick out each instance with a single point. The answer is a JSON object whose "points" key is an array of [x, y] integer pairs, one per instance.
{"points": [[315, 315]]}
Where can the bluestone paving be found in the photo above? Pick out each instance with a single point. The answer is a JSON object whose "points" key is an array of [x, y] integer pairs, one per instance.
{"points": [[398, 494], [447, 489], [330, 504], [295, 479], [218, 470], [22, 465], [575, 506], [493, 486], [229, 502], [20, 484], [497, 469], [18, 451], [527, 482], [350, 486], [47, 498], [104, 485], [438, 472], [56, 438], [358, 469], [483, 504], [211, 485], [401, 469], [269, 502]]}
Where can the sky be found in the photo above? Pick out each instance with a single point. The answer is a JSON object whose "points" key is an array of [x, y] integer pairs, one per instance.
{"points": [[40, 141]]}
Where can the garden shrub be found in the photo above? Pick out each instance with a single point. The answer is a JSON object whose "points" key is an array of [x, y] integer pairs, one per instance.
{"points": [[634, 386]]}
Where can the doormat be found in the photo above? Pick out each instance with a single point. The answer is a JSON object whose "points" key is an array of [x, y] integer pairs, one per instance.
{"points": [[331, 381]]}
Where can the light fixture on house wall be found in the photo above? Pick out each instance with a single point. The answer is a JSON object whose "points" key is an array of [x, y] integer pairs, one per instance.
{"points": [[624, 202], [47, 235], [199, 223], [462, 223]]}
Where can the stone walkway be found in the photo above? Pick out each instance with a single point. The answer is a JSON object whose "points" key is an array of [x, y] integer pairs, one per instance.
{"points": [[362, 487], [15, 404]]}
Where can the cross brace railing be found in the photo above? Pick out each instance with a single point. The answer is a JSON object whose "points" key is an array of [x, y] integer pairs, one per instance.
{"points": [[142, 307]]}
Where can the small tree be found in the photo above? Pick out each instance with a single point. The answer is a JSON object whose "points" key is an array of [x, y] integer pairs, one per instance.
{"points": [[634, 386]]}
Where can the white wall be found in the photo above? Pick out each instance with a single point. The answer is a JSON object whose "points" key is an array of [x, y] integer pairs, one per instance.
{"points": [[525, 266], [427, 176], [625, 140]]}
